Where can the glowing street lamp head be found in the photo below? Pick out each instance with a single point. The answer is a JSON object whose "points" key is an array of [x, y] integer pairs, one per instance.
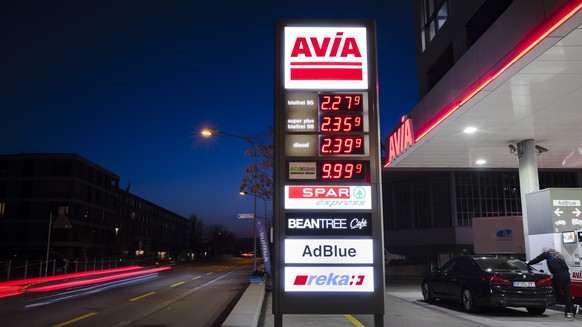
{"points": [[208, 132]]}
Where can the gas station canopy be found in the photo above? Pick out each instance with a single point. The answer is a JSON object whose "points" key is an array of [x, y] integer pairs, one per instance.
{"points": [[536, 94]]}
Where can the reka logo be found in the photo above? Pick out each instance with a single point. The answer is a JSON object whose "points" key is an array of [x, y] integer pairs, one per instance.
{"points": [[329, 279], [316, 55]]}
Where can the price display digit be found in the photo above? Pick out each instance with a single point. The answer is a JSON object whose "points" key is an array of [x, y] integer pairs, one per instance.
{"points": [[335, 145], [337, 102], [341, 123], [344, 170]]}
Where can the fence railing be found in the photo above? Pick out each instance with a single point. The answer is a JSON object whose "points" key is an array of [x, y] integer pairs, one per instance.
{"points": [[20, 269]]}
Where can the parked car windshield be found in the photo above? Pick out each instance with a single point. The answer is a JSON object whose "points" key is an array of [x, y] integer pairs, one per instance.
{"points": [[497, 264]]}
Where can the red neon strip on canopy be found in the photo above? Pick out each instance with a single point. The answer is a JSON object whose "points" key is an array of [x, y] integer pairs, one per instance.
{"points": [[560, 20]]}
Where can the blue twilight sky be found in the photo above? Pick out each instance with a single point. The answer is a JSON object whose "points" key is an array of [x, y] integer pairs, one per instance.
{"points": [[128, 84]]}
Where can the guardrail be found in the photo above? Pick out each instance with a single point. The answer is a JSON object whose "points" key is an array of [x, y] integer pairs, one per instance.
{"points": [[21, 269]]}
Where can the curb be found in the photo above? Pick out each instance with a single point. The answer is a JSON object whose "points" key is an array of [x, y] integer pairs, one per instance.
{"points": [[248, 309]]}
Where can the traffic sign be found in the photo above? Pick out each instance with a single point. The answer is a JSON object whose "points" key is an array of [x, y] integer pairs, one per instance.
{"points": [[246, 215]]}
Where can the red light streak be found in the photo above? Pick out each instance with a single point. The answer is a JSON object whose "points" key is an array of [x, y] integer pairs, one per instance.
{"points": [[453, 107], [66, 276], [95, 280], [16, 287]]}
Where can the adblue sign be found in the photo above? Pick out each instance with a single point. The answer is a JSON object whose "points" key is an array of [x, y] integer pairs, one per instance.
{"points": [[320, 251]]}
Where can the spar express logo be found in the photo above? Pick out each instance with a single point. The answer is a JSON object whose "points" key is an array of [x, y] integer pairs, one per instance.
{"points": [[326, 57], [327, 197]]}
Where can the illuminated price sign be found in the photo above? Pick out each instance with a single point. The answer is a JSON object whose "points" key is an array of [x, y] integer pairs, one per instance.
{"points": [[341, 123], [340, 101], [344, 170], [334, 145], [328, 231]]}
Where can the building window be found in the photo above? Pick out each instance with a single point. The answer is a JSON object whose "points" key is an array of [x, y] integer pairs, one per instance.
{"points": [[484, 18], [497, 194], [435, 15]]}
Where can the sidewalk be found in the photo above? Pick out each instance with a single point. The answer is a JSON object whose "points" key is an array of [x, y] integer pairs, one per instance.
{"points": [[254, 309]]}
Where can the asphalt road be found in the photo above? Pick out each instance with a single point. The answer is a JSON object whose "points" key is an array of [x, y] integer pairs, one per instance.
{"points": [[187, 295]]}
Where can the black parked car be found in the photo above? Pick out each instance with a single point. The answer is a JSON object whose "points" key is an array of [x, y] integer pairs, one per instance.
{"points": [[489, 281]]}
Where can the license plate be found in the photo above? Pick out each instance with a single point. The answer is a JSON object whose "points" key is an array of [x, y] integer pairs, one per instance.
{"points": [[524, 284]]}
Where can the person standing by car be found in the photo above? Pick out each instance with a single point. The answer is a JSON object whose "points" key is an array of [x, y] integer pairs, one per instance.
{"points": [[560, 278]]}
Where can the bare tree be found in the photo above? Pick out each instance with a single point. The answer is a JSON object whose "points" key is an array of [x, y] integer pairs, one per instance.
{"points": [[263, 187]]}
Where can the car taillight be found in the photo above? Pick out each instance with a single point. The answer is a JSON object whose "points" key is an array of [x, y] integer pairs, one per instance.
{"points": [[544, 282], [496, 280]]}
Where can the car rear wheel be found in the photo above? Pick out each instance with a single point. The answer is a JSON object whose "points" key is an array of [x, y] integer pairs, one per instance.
{"points": [[427, 293], [536, 310], [468, 301]]}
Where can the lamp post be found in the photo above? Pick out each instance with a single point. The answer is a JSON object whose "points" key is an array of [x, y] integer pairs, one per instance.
{"points": [[258, 196], [210, 132], [48, 244]]}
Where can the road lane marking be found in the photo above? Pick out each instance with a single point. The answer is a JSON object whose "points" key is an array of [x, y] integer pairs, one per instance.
{"points": [[141, 296], [76, 319], [197, 277], [180, 283], [162, 305], [354, 321], [209, 273]]}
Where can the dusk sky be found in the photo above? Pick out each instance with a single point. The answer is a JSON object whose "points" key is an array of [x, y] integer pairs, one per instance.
{"points": [[129, 84]]}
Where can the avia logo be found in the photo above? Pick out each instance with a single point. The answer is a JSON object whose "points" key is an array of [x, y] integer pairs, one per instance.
{"points": [[333, 54], [400, 140], [312, 192], [330, 279], [311, 46]]}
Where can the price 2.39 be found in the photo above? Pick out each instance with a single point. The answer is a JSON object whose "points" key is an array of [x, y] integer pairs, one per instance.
{"points": [[341, 145]]}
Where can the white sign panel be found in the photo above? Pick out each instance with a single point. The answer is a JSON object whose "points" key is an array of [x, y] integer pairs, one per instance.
{"points": [[344, 251], [326, 58], [329, 279], [246, 215], [328, 197], [566, 203]]}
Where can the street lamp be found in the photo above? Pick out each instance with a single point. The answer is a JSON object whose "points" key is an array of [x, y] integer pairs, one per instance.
{"points": [[210, 132], [258, 196]]}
